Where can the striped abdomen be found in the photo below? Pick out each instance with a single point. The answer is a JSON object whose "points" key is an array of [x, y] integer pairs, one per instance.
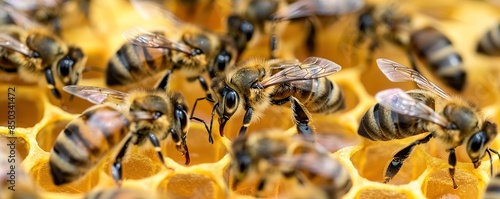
{"points": [[493, 189], [434, 48], [381, 124], [85, 141], [132, 64], [489, 44], [317, 95]]}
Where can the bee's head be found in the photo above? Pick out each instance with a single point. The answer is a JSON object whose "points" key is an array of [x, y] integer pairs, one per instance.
{"points": [[226, 101], [479, 142], [223, 59], [240, 30], [241, 160], [70, 67]]}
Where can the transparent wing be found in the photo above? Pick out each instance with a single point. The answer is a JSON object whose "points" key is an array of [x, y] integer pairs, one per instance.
{"points": [[19, 18], [399, 101], [307, 8], [6, 41], [96, 95], [398, 73], [149, 9], [310, 68], [141, 37]]}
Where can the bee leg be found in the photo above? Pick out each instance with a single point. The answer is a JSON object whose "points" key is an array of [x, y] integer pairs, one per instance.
{"points": [[164, 81], [301, 118], [452, 161], [401, 156], [51, 84], [491, 160], [210, 138], [154, 140], [260, 188], [116, 168], [274, 45], [374, 44], [311, 37], [57, 26], [204, 86], [246, 121]]}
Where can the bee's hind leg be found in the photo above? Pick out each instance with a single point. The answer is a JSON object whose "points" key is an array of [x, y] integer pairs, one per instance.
{"points": [[401, 156], [452, 161], [301, 118]]}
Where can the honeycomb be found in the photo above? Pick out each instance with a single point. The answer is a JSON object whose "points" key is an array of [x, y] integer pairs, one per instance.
{"points": [[40, 118]]}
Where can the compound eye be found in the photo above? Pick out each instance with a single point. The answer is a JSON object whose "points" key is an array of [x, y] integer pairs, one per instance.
{"points": [[476, 142], [65, 66], [244, 161], [222, 59], [182, 117], [230, 101], [247, 29]]}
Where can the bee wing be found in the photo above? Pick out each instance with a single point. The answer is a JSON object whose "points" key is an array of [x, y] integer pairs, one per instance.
{"points": [[399, 101], [29, 5], [149, 9], [398, 73], [96, 95], [307, 8], [9, 42], [141, 37], [310, 68], [19, 18]]}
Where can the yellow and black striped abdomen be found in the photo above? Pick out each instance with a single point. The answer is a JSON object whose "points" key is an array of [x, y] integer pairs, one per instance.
{"points": [[85, 141], [489, 44], [132, 64], [434, 48], [380, 123]]}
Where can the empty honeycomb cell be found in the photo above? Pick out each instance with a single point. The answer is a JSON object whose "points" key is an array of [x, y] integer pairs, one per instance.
{"points": [[439, 184], [351, 100], [46, 137], [189, 186], [138, 163], [28, 109], [378, 156]]}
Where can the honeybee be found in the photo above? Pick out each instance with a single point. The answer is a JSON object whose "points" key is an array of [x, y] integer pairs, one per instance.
{"points": [[15, 182], [117, 121], [117, 193], [256, 84], [488, 44], [193, 51], [34, 52], [451, 120], [433, 48], [252, 16], [47, 12], [492, 190], [273, 155]]}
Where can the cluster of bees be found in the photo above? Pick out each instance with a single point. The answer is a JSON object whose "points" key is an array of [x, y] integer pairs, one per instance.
{"points": [[120, 119]]}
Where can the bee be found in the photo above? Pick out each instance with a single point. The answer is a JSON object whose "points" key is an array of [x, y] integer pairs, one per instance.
{"points": [[117, 121], [193, 51], [438, 53], [117, 193], [34, 52], [451, 120], [493, 189], [488, 44], [15, 182], [252, 16], [272, 155], [255, 84], [430, 45], [47, 12]]}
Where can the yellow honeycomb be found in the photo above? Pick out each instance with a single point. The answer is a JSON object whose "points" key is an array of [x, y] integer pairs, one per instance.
{"points": [[39, 118]]}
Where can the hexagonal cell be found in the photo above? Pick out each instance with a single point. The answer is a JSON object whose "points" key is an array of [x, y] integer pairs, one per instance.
{"points": [[350, 97], [200, 150], [381, 194], [41, 173], [372, 162], [138, 163], [21, 147], [189, 186], [333, 136], [46, 137], [438, 184], [27, 111]]}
